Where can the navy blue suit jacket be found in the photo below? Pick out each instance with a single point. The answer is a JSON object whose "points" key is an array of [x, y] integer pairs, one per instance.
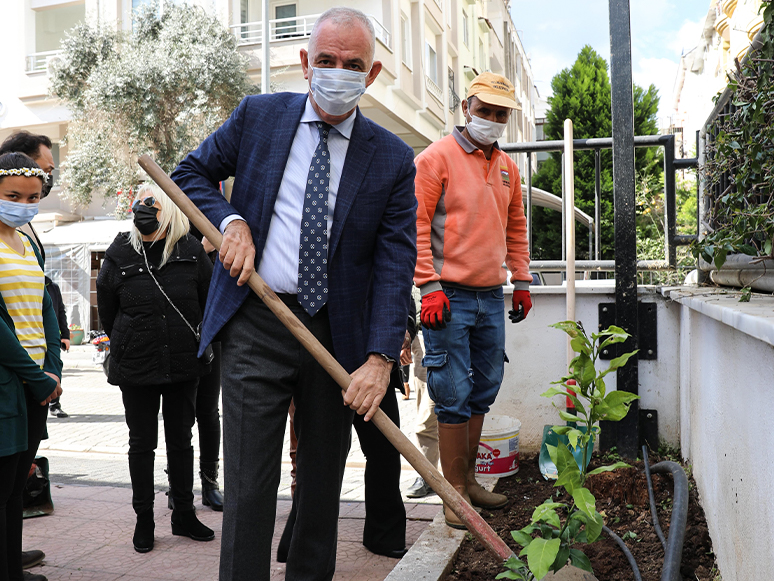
{"points": [[372, 245]]}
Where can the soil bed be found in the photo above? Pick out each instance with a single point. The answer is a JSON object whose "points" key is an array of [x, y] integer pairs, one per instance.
{"points": [[622, 497]]}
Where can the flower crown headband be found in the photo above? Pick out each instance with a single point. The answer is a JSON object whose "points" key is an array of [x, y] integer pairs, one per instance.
{"points": [[29, 172]]}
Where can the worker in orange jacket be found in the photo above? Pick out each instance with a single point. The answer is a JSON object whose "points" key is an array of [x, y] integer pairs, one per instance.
{"points": [[470, 220]]}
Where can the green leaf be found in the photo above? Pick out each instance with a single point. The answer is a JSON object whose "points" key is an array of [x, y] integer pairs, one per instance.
{"points": [[618, 362], [521, 537], [572, 437], [585, 501], [564, 459], [561, 557], [579, 560], [541, 554], [617, 403], [561, 430], [610, 468], [546, 512], [567, 417], [570, 479], [553, 391], [516, 569], [569, 327], [579, 344], [594, 527]]}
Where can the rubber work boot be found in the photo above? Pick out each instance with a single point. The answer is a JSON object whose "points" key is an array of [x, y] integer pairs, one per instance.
{"points": [[211, 495], [453, 446], [479, 496]]}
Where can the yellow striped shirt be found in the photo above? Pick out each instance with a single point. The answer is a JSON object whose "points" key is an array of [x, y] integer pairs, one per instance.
{"points": [[22, 285]]}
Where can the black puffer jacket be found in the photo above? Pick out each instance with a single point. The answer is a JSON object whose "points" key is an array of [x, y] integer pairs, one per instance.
{"points": [[149, 343]]}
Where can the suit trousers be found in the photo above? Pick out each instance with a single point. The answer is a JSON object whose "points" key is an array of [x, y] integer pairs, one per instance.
{"points": [[264, 366], [385, 522]]}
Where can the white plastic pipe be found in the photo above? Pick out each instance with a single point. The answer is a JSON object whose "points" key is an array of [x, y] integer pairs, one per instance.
{"points": [[266, 49], [569, 225]]}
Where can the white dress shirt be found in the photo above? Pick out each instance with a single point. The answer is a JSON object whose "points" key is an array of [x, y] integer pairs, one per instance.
{"points": [[279, 262]]}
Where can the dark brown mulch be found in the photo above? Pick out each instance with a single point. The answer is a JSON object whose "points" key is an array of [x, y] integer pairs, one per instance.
{"points": [[622, 497]]}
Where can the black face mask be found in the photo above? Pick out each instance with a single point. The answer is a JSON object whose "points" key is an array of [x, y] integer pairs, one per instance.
{"points": [[145, 219], [46, 188]]}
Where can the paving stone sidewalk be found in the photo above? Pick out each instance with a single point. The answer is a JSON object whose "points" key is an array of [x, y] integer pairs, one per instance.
{"points": [[89, 535]]}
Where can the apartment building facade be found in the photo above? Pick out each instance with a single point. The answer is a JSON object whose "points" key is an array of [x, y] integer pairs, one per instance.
{"points": [[728, 29], [430, 51]]}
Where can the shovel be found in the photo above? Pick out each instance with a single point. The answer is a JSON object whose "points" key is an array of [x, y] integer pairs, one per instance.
{"points": [[467, 514]]}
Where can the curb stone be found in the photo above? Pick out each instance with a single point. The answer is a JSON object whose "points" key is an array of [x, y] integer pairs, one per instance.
{"points": [[430, 557]]}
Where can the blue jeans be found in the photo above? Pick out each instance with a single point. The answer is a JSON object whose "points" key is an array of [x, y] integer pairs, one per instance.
{"points": [[466, 360]]}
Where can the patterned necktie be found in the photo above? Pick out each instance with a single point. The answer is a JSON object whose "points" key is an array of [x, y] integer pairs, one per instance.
{"points": [[313, 250]]}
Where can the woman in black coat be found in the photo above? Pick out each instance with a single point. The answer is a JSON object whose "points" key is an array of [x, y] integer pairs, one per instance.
{"points": [[151, 293]]}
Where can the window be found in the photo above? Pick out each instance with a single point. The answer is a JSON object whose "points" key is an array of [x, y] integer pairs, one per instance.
{"points": [[481, 56], [287, 27], [405, 38], [50, 25], [243, 11], [465, 32], [431, 63]]}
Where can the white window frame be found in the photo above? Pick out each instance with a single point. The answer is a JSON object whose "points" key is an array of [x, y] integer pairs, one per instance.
{"points": [[428, 69], [465, 28], [405, 40]]}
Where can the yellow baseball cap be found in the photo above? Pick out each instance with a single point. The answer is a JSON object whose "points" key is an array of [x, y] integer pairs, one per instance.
{"points": [[495, 90]]}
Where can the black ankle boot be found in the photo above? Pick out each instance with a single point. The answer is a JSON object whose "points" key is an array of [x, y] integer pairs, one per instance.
{"points": [[185, 524], [143, 532], [211, 495]]}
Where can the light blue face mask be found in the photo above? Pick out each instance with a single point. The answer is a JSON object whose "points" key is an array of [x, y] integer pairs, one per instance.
{"points": [[15, 214], [337, 91]]}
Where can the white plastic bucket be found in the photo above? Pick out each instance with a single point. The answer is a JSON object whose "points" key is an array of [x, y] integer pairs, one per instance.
{"points": [[498, 450]]}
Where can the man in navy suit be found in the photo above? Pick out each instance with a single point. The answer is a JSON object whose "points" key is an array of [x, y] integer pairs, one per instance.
{"points": [[323, 206]]}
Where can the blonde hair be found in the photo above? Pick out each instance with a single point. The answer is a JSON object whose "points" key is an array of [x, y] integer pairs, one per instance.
{"points": [[171, 220]]}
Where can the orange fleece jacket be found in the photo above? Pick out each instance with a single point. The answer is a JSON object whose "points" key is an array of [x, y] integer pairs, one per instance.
{"points": [[470, 218]]}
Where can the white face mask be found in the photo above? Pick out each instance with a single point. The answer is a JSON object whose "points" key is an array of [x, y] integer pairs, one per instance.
{"points": [[337, 91], [484, 131]]}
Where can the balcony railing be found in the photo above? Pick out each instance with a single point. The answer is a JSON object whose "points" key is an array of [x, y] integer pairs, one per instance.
{"points": [[38, 62], [296, 27], [434, 89]]}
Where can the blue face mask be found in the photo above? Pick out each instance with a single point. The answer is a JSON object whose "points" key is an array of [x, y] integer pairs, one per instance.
{"points": [[15, 214], [337, 91]]}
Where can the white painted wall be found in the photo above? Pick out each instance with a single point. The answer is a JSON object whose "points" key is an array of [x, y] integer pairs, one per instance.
{"points": [[727, 429], [538, 356], [712, 388]]}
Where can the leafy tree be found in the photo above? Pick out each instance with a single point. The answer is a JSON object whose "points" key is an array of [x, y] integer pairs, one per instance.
{"points": [[582, 93], [160, 89]]}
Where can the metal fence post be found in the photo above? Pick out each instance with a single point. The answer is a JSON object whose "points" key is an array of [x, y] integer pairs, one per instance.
{"points": [[624, 434]]}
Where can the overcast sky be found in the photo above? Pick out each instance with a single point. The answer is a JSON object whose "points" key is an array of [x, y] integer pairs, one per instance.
{"points": [[554, 31]]}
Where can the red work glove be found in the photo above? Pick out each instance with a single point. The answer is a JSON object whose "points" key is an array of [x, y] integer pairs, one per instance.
{"points": [[436, 311], [522, 304]]}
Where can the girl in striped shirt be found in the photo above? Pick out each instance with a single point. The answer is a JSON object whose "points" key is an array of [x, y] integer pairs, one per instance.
{"points": [[30, 367]]}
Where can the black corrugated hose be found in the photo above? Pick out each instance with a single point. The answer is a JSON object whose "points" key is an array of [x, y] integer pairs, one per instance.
{"points": [[653, 511], [673, 553]]}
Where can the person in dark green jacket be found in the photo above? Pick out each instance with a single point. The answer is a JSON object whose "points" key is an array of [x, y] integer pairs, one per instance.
{"points": [[30, 364]]}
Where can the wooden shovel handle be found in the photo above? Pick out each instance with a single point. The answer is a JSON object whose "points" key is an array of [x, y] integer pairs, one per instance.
{"points": [[472, 520]]}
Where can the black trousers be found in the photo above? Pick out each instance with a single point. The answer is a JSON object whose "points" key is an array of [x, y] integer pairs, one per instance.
{"points": [[385, 523], [263, 367], [141, 406], [207, 414], [16, 476]]}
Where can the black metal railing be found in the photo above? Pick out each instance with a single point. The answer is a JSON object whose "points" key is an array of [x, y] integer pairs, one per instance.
{"points": [[671, 166]]}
